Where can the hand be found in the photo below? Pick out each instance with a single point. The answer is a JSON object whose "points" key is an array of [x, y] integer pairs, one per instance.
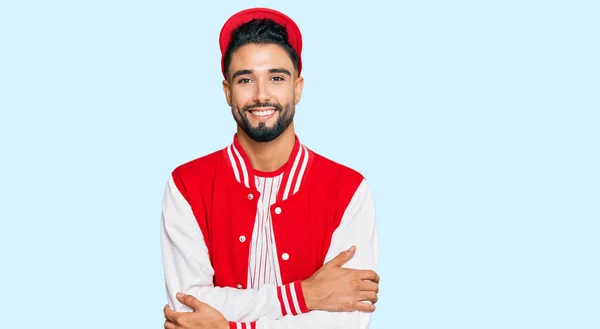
{"points": [[203, 316], [336, 289]]}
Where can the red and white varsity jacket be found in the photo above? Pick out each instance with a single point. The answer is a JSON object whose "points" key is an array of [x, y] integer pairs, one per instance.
{"points": [[209, 209]]}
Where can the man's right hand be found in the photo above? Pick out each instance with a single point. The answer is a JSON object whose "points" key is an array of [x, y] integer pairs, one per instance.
{"points": [[336, 289]]}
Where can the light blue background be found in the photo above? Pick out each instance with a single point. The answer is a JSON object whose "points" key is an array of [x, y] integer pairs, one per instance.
{"points": [[476, 123]]}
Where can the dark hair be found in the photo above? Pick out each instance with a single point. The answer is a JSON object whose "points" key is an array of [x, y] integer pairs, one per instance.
{"points": [[259, 31]]}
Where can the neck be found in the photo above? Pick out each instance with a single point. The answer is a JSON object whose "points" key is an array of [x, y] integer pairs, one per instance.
{"points": [[268, 156]]}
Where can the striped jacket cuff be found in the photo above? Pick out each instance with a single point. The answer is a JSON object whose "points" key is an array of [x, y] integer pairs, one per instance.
{"points": [[242, 325], [291, 298]]}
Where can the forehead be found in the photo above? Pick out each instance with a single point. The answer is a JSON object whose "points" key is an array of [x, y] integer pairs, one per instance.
{"points": [[260, 57]]}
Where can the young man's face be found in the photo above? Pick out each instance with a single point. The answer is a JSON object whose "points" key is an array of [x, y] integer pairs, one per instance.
{"points": [[262, 90]]}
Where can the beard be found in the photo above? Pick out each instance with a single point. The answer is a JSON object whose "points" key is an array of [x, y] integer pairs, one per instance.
{"points": [[262, 133]]}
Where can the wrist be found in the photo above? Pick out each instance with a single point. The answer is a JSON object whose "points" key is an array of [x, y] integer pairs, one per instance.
{"points": [[309, 296], [291, 298]]}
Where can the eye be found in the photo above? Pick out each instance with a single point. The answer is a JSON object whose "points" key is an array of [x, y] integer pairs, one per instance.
{"points": [[244, 80], [277, 78]]}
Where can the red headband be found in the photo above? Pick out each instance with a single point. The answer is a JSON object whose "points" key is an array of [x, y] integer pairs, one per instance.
{"points": [[244, 16]]}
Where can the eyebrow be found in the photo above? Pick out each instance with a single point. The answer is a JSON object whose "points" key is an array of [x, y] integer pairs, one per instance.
{"points": [[277, 70], [240, 72], [280, 70]]}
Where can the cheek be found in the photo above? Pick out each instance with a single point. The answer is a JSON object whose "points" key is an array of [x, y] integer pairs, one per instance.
{"points": [[283, 95], [240, 98]]}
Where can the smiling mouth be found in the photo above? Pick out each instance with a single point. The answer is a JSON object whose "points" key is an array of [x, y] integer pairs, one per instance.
{"points": [[262, 112]]}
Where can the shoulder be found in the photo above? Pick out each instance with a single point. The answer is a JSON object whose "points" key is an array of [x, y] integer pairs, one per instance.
{"points": [[332, 168], [346, 179], [196, 169]]}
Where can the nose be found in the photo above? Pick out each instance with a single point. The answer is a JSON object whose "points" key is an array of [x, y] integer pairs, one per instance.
{"points": [[261, 92]]}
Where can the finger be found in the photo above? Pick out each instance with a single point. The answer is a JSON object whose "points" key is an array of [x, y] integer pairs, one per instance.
{"points": [[189, 300], [170, 325], [369, 275], [369, 296], [342, 258], [364, 307], [170, 315], [369, 286]]}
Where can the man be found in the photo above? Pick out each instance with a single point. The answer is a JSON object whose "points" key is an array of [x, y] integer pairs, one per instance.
{"points": [[266, 233]]}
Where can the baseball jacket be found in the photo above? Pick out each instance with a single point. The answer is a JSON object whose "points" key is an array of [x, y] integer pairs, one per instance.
{"points": [[209, 209]]}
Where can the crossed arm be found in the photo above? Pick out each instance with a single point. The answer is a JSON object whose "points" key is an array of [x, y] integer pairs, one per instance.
{"points": [[341, 294]]}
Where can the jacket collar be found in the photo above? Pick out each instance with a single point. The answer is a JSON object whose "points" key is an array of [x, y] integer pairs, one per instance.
{"points": [[293, 171]]}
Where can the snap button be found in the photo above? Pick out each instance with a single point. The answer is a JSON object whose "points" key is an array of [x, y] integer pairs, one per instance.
{"points": [[250, 196], [242, 238], [239, 286], [285, 256], [278, 210]]}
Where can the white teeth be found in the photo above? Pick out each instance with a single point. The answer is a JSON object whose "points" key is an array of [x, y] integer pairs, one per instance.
{"points": [[263, 113]]}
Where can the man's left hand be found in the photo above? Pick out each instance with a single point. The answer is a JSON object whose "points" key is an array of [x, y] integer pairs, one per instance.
{"points": [[204, 316]]}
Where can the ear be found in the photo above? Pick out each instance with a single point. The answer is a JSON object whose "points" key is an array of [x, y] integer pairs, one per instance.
{"points": [[299, 87], [227, 91]]}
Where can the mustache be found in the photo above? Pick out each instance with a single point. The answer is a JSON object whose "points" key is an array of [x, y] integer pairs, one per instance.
{"points": [[257, 105]]}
